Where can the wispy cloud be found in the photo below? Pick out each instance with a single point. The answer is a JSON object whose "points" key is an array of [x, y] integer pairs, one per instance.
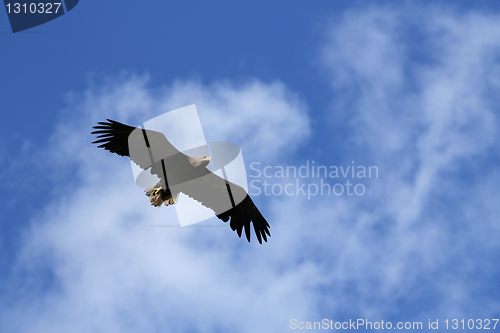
{"points": [[110, 271], [422, 105]]}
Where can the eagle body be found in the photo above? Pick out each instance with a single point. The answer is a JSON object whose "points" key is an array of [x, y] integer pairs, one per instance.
{"points": [[180, 173], [160, 193]]}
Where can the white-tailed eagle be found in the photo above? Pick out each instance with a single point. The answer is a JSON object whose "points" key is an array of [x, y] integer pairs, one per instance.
{"points": [[182, 173]]}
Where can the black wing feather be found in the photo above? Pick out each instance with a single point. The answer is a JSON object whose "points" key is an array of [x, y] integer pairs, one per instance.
{"points": [[117, 138], [211, 191]]}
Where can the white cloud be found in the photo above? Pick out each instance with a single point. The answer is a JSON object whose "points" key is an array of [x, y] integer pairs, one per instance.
{"points": [[115, 273], [420, 95], [254, 114]]}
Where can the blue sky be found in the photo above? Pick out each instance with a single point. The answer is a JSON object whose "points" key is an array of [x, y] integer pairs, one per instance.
{"points": [[410, 87]]}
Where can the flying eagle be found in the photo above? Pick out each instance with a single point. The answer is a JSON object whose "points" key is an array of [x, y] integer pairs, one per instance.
{"points": [[182, 173]]}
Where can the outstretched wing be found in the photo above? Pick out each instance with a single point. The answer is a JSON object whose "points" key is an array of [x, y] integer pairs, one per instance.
{"points": [[228, 201], [146, 148]]}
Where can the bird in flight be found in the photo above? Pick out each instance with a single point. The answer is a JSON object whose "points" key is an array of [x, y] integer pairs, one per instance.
{"points": [[180, 173]]}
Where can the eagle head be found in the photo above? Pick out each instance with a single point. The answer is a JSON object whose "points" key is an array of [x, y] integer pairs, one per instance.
{"points": [[205, 160]]}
